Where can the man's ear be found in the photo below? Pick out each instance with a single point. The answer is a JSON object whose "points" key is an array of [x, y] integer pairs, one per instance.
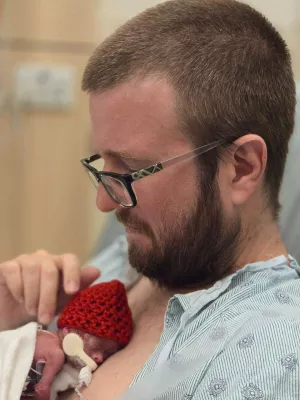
{"points": [[248, 160]]}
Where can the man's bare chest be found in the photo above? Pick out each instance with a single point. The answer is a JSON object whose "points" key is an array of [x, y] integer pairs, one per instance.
{"points": [[116, 374]]}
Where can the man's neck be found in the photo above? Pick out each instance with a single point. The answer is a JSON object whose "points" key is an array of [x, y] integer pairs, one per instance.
{"points": [[262, 242]]}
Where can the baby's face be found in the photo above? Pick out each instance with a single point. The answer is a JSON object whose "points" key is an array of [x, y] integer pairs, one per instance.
{"points": [[99, 349]]}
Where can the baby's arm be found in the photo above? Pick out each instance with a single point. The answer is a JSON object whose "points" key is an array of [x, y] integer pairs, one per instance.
{"points": [[48, 351], [54, 363]]}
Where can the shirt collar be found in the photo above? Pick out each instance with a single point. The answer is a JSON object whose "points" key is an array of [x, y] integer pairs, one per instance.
{"points": [[190, 300]]}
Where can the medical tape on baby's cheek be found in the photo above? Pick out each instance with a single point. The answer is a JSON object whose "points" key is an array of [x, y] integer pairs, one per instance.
{"points": [[73, 347]]}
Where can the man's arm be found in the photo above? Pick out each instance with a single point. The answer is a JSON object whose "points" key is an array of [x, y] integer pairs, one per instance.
{"points": [[36, 286]]}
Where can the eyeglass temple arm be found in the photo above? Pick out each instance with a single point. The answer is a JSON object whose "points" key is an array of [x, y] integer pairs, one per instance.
{"points": [[191, 154], [165, 164]]}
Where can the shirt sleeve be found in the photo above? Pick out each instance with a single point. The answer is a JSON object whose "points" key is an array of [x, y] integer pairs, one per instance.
{"points": [[114, 264], [261, 362]]}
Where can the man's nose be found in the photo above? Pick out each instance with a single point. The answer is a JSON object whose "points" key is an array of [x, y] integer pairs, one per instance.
{"points": [[104, 202]]}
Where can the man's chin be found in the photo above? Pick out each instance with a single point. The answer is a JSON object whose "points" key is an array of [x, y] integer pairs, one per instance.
{"points": [[131, 232], [140, 247], [137, 236]]}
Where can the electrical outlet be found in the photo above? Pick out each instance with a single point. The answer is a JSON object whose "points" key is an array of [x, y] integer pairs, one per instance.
{"points": [[44, 86]]}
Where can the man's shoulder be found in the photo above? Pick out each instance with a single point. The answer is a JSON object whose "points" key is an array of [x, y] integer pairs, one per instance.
{"points": [[260, 311], [268, 298], [262, 302], [259, 358], [263, 287], [254, 352]]}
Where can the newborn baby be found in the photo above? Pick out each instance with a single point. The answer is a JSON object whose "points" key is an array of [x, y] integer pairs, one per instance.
{"points": [[101, 317]]}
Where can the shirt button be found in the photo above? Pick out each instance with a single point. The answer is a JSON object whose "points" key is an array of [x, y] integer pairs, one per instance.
{"points": [[168, 322], [176, 359]]}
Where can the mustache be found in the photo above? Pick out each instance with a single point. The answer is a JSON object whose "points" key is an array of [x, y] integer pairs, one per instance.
{"points": [[126, 218]]}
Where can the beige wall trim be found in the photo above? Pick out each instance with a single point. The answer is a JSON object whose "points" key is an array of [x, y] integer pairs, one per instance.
{"points": [[51, 46]]}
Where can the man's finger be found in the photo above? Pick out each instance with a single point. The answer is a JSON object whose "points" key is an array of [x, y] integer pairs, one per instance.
{"points": [[11, 272], [31, 280], [49, 285], [88, 276], [71, 273]]}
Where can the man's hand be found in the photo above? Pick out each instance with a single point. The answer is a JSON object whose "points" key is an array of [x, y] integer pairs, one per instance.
{"points": [[35, 287]]}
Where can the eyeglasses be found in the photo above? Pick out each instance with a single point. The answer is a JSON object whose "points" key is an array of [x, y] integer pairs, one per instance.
{"points": [[119, 186]]}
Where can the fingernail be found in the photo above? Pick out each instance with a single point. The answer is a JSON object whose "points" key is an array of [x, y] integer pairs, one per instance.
{"points": [[72, 286], [46, 319], [32, 312]]}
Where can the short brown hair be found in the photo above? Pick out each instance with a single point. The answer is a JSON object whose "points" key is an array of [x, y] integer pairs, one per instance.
{"points": [[229, 66]]}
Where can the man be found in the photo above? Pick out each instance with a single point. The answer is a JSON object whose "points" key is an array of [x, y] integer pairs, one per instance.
{"points": [[111, 252], [192, 105]]}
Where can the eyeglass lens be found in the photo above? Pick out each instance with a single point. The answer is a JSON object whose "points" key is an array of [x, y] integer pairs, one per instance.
{"points": [[115, 188]]}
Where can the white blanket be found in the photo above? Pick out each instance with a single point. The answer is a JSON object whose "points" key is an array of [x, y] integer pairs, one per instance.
{"points": [[16, 355]]}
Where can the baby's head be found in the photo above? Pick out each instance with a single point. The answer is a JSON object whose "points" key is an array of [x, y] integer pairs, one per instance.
{"points": [[98, 348], [100, 315]]}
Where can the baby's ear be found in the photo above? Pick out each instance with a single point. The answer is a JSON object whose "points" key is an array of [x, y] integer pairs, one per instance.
{"points": [[65, 331]]}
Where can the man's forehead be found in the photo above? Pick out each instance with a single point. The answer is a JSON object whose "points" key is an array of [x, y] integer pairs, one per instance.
{"points": [[139, 91], [137, 114]]}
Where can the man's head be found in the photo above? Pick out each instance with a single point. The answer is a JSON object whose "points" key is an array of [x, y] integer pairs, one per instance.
{"points": [[181, 75]]}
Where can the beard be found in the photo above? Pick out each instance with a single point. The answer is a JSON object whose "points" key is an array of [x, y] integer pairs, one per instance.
{"points": [[200, 247]]}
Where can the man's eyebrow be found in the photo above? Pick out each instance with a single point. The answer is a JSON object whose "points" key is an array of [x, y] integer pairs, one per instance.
{"points": [[124, 155]]}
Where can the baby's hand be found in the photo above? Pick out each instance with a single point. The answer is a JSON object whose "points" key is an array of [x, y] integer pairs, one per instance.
{"points": [[48, 349]]}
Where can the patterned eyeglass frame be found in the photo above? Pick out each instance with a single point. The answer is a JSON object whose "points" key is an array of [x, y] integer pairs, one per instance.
{"points": [[128, 179]]}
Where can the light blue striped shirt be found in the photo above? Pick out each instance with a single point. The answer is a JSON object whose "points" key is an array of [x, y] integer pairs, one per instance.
{"points": [[239, 340]]}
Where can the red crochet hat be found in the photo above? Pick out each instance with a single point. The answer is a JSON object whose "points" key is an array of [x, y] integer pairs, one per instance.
{"points": [[101, 310]]}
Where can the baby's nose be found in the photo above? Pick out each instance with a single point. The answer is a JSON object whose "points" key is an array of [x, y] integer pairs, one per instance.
{"points": [[98, 358]]}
